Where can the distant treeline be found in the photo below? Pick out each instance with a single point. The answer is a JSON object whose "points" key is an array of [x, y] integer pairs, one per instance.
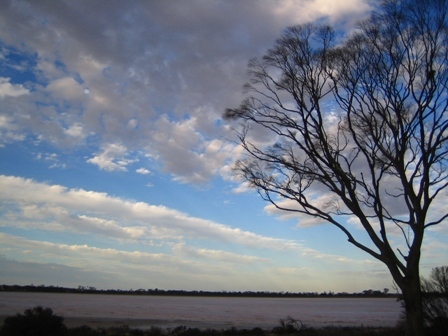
{"points": [[156, 291]]}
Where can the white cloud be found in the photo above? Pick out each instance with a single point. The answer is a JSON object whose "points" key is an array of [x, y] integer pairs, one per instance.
{"points": [[11, 90], [89, 257], [183, 69], [33, 205], [217, 255], [112, 158], [9, 131], [187, 155], [155, 87], [351, 10], [143, 171], [132, 124], [325, 201], [161, 239], [200, 268], [76, 130], [66, 88]]}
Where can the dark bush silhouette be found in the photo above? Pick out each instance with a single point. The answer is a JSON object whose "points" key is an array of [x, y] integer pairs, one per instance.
{"points": [[36, 321], [84, 331], [288, 326], [435, 300]]}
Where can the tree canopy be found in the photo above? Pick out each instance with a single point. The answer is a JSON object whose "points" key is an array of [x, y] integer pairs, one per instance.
{"points": [[356, 129]]}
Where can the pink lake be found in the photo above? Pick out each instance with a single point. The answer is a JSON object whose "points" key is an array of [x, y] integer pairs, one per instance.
{"points": [[207, 312]]}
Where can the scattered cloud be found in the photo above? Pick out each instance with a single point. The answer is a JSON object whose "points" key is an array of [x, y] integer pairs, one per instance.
{"points": [[113, 157], [9, 130], [135, 93], [143, 171], [66, 88], [76, 130], [133, 88], [11, 90]]}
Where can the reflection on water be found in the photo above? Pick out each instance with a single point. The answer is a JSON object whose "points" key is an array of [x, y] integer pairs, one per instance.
{"points": [[208, 312]]}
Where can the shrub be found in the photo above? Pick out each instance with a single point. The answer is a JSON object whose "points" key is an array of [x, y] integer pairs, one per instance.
{"points": [[36, 321], [288, 325], [435, 299], [84, 331]]}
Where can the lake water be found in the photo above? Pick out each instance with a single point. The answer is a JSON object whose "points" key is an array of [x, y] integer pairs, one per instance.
{"points": [[205, 312]]}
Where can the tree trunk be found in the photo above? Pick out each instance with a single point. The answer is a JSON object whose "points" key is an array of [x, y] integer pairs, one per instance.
{"points": [[412, 296]]}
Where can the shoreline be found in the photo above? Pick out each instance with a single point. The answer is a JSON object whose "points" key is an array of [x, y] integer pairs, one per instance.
{"points": [[146, 324], [105, 323], [143, 324], [195, 293]]}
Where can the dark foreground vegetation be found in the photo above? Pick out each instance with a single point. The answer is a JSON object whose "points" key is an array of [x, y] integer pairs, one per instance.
{"points": [[40, 321]]}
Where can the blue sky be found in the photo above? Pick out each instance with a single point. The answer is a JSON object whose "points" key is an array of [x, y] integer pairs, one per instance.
{"points": [[115, 164]]}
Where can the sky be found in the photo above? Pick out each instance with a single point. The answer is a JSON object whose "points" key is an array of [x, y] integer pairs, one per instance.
{"points": [[116, 164]]}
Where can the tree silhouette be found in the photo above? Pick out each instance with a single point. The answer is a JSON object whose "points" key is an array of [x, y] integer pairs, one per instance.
{"points": [[356, 129], [36, 321], [435, 298]]}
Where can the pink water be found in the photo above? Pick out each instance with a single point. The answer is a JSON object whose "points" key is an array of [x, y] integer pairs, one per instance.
{"points": [[209, 312]]}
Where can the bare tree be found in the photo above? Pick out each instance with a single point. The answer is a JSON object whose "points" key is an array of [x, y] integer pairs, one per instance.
{"points": [[362, 121]]}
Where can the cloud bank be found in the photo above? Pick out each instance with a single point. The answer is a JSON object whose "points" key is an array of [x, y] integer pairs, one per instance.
{"points": [[141, 79]]}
